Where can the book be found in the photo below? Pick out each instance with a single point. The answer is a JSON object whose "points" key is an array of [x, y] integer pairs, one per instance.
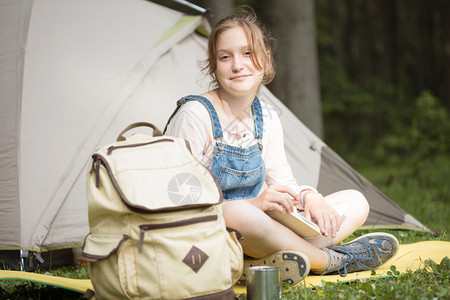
{"points": [[297, 222]]}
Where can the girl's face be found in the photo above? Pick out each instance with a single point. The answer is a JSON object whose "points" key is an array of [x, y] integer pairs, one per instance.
{"points": [[235, 70]]}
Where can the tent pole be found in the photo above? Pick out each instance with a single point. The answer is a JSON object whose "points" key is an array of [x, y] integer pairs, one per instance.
{"points": [[191, 5], [23, 255]]}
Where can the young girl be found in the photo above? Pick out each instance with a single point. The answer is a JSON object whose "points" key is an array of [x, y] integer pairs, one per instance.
{"points": [[241, 142]]}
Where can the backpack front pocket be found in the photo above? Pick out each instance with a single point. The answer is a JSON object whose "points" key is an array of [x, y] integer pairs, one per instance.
{"points": [[183, 252]]}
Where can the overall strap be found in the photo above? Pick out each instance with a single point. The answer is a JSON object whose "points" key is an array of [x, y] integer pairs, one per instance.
{"points": [[217, 129], [258, 118]]}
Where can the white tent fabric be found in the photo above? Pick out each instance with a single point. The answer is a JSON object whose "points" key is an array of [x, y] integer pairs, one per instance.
{"points": [[73, 74]]}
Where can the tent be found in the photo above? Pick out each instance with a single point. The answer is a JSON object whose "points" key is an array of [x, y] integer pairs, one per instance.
{"points": [[75, 73]]}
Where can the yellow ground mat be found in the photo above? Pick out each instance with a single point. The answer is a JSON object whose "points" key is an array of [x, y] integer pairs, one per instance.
{"points": [[77, 285], [409, 257]]}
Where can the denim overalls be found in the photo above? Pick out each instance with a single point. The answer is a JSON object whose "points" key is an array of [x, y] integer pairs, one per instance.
{"points": [[240, 171]]}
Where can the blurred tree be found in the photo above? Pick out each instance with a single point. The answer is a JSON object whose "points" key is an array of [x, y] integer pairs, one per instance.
{"points": [[216, 9], [293, 25], [376, 58]]}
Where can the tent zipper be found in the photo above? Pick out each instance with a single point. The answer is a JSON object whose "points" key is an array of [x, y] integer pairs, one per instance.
{"points": [[187, 222]]}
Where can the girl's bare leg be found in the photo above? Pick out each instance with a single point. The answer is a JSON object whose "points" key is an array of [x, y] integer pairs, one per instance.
{"points": [[264, 236], [355, 211]]}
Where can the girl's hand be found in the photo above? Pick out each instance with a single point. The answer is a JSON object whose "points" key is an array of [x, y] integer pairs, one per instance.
{"points": [[326, 216], [276, 197]]}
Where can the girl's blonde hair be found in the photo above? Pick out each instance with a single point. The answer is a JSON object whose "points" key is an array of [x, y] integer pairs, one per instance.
{"points": [[260, 42]]}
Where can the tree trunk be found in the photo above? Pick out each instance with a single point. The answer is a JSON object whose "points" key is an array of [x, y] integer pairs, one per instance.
{"points": [[390, 41], [444, 12], [216, 9], [292, 23]]}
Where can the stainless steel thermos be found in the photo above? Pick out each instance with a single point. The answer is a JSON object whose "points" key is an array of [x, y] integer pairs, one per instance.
{"points": [[263, 283]]}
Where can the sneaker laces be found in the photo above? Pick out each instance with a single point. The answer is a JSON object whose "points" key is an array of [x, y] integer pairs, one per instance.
{"points": [[360, 256]]}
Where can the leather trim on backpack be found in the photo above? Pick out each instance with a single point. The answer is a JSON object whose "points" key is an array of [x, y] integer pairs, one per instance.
{"points": [[238, 234], [146, 227], [89, 295], [226, 294], [112, 148]]}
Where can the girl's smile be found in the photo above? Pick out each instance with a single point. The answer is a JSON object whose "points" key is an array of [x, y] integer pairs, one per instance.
{"points": [[240, 77]]}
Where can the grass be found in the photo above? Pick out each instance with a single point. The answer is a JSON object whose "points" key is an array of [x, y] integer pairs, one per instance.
{"points": [[422, 190], [432, 282]]}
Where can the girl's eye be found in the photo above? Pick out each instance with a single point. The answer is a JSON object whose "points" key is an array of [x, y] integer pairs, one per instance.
{"points": [[247, 53], [223, 57]]}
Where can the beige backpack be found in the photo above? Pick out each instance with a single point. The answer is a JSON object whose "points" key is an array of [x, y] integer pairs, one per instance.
{"points": [[156, 225]]}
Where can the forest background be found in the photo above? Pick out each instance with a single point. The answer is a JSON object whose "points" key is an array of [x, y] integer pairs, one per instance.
{"points": [[372, 79]]}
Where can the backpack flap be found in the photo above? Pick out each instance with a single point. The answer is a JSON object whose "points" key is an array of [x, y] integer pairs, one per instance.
{"points": [[157, 174], [100, 245]]}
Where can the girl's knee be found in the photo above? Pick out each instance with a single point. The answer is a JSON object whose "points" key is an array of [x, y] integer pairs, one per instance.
{"points": [[359, 204], [353, 198], [356, 204], [359, 199]]}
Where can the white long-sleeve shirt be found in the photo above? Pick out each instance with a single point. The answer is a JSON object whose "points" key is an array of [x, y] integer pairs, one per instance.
{"points": [[193, 123]]}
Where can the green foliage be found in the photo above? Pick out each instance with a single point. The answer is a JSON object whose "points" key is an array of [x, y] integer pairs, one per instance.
{"points": [[423, 192], [69, 272], [378, 97], [368, 123], [351, 114], [422, 136], [26, 290]]}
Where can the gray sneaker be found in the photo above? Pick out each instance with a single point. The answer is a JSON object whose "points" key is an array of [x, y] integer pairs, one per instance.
{"points": [[294, 266], [367, 252]]}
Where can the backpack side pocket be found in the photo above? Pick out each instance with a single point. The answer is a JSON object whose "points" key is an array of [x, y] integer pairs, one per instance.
{"points": [[236, 255]]}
